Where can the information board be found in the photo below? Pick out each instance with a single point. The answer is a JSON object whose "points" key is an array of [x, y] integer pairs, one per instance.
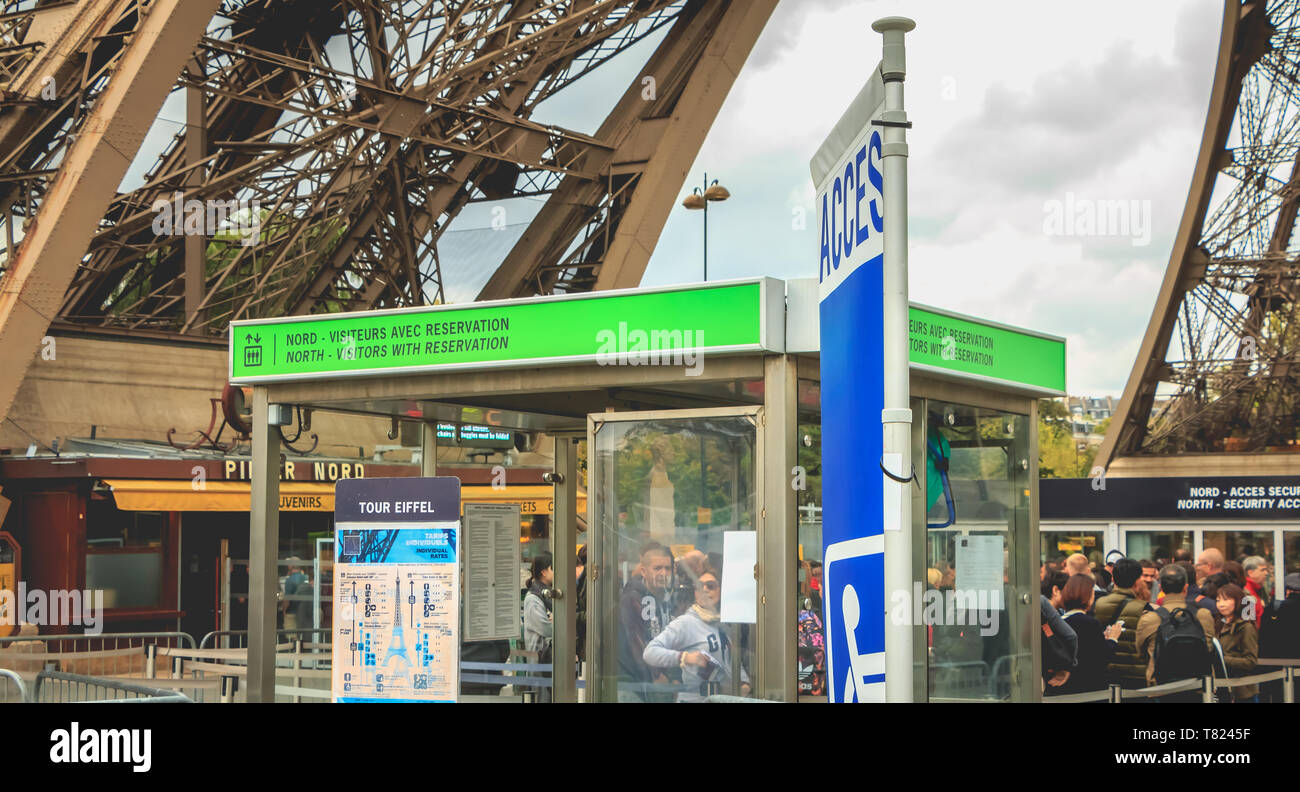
{"points": [[492, 606], [396, 590]]}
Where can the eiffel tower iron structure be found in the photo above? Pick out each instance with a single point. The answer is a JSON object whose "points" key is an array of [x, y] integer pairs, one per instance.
{"points": [[1215, 389], [356, 131]]}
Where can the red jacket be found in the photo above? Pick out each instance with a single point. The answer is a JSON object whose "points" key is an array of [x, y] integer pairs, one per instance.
{"points": [[1261, 599]]}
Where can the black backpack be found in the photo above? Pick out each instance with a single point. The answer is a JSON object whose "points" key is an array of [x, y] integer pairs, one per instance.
{"points": [[1179, 647]]}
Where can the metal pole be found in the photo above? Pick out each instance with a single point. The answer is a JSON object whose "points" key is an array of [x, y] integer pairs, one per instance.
{"points": [[896, 415], [706, 227], [264, 547], [564, 536], [428, 449]]}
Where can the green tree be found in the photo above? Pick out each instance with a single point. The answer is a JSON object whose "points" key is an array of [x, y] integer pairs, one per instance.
{"points": [[1058, 456]]}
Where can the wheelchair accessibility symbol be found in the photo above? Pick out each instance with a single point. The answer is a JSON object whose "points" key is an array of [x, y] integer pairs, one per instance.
{"points": [[853, 573]]}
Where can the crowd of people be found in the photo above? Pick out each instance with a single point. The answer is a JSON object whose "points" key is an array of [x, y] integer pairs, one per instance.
{"points": [[1139, 623], [672, 644]]}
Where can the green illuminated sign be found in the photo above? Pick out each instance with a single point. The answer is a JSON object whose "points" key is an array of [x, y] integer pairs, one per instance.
{"points": [[972, 347], [665, 326]]}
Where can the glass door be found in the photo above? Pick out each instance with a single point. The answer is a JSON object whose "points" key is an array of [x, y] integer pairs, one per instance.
{"points": [[673, 509], [976, 599]]}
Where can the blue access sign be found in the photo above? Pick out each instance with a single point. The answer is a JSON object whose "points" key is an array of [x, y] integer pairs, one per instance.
{"points": [[849, 176], [853, 573]]}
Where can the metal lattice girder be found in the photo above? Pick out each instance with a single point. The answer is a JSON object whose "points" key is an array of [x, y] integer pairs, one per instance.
{"points": [[1224, 339], [350, 134], [362, 161], [620, 219], [96, 155]]}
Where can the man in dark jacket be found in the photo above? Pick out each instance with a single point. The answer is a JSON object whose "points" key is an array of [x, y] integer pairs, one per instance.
{"points": [[1124, 604], [1279, 634], [644, 610]]}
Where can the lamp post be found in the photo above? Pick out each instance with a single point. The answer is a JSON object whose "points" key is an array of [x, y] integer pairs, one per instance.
{"points": [[699, 199]]}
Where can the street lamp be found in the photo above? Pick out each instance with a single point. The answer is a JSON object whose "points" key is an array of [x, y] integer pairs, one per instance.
{"points": [[700, 200]]}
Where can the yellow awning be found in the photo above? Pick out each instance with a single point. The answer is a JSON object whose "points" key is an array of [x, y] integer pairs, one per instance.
{"points": [[227, 496], [315, 496]]}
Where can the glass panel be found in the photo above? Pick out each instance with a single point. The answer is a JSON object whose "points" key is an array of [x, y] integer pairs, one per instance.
{"points": [[977, 520], [671, 496], [1056, 545], [1291, 551], [1157, 546], [1240, 545], [128, 580], [809, 630]]}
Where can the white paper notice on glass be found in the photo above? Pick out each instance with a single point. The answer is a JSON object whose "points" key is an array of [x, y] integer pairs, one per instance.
{"points": [[491, 552], [979, 563], [739, 588]]}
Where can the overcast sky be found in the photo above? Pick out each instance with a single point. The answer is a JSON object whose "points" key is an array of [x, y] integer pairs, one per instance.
{"points": [[1015, 105]]}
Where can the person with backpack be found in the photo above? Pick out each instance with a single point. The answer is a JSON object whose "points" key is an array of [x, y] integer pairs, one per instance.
{"points": [[1174, 640], [1124, 606]]}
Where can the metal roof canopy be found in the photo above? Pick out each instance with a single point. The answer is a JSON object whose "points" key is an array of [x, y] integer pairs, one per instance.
{"points": [[558, 364]]}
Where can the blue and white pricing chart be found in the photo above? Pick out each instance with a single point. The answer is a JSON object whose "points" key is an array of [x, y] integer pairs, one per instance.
{"points": [[396, 590]]}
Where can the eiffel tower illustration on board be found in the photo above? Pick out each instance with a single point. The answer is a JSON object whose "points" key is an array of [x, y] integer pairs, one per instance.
{"points": [[397, 645]]}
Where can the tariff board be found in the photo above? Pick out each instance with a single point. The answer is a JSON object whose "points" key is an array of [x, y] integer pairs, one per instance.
{"points": [[396, 590]]}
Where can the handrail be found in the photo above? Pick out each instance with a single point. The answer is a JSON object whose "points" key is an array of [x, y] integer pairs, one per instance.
{"points": [[1255, 679], [1079, 698], [1155, 691], [280, 633]]}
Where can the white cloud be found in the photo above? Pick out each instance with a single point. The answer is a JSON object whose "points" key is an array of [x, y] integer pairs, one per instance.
{"points": [[1013, 105]]}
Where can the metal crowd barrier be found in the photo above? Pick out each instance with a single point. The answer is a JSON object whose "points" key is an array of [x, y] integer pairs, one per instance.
{"points": [[12, 687], [106, 654], [58, 687], [113, 656], [1206, 686], [312, 638]]}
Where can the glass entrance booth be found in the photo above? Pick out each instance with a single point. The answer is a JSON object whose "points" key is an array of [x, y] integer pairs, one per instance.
{"points": [[691, 416]]}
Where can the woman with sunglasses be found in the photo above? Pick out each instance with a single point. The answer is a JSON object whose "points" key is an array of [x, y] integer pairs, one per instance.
{"points": [[697, 643]]}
